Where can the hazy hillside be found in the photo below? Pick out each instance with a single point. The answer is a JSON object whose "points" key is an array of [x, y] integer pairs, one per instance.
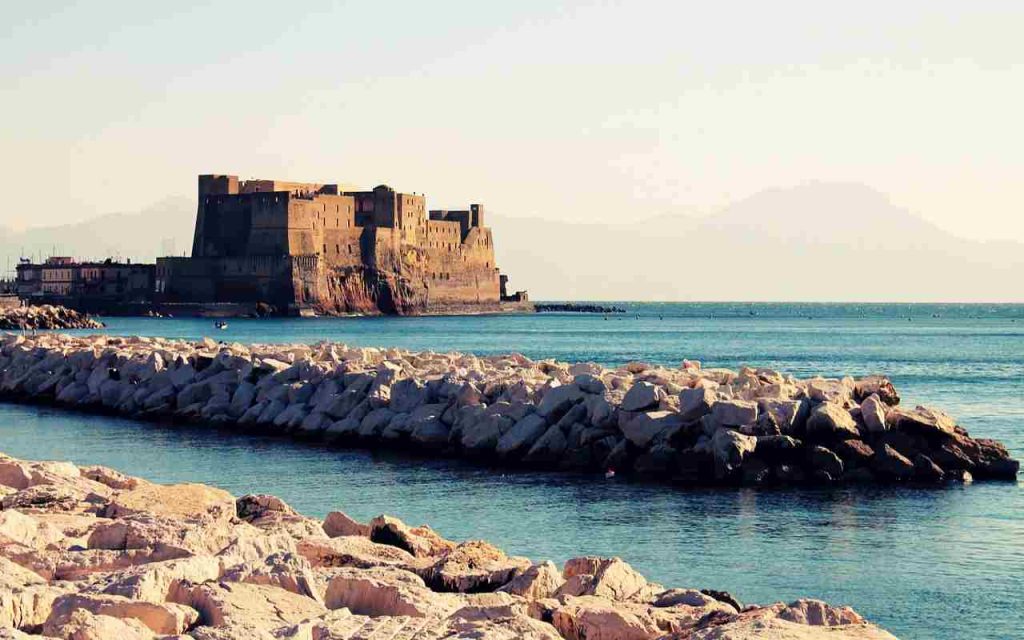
{"points": [[812, 242], [161, 229]]}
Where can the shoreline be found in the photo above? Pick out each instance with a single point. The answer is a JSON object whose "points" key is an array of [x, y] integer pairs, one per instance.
{"points": [[687, 426], [89, 552]]}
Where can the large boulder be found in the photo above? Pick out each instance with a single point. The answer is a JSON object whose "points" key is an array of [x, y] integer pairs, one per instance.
{"points": [[25, 598], [522, 436], [246, 606], [474, 567], [825, 461], [536, 582], [289, 571], [353, 551], [109, 477], [879, 386], [734, 413], [386, 592], [730, 448], [695, 402], [70, 496], [483, 435], [419, 541], [160, 617], [830, 421], [872, 412], [145, 531], [642, 396], [923, 420], [512, 627], [156, 581], [81, 624], [789, 415], [548, 449], [610, 578], [407, 395], [28, 530], [645, 428], [890, 463], [173, 501], [558, 400], [338, 523], [594, 618]]}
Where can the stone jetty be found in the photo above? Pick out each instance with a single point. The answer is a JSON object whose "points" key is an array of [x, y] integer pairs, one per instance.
{"points": [[45, 317], [687, 424], [574, 307], [88, 553]]}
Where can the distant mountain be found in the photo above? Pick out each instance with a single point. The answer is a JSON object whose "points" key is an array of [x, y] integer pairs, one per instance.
{"points": [[165, 228], [819, 241]]}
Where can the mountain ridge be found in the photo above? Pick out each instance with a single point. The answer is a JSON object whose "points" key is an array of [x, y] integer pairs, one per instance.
{"points": [[816, 241]]}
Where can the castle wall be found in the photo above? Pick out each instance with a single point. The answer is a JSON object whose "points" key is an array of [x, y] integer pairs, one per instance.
{"points": [[304, 245], [229, 279], [324, 225], [209, 185]]}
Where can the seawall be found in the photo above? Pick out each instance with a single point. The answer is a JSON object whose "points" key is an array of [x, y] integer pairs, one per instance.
{"points": [[90, 553], [685, 425]]}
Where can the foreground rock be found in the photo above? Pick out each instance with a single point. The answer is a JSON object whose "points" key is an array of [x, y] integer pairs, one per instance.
{"points": [[687, 425], [119, 557], [45, 317]]}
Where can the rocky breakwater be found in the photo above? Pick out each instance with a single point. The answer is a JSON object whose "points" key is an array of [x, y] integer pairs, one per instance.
{"points": [[688, 425], [45, 317], [88, 553]]}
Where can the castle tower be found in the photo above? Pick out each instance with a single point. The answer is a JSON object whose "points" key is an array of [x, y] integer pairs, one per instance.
{"points": [[209, 185]]}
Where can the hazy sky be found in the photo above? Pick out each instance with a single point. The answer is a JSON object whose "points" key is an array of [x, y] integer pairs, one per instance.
{"points": [[587, 111]]}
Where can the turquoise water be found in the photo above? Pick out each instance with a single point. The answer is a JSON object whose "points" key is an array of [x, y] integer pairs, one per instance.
{"points": [[925, 563]]}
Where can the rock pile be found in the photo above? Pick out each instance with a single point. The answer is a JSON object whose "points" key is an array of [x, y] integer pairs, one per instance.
{"points": [[688, 425], [45, 317], [574, 307], [88, 553]]}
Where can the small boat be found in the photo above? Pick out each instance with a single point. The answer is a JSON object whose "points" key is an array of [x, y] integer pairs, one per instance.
{"points": [[220, 324]]}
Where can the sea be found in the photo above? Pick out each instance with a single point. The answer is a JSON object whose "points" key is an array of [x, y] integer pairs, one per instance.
{"points": [[923, 562]]}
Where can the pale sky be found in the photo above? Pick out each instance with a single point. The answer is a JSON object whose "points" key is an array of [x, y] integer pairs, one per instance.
{"points": [[593, 111]]}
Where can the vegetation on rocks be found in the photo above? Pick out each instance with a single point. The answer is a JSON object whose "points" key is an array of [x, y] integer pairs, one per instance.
{"points": [[88, 553]]}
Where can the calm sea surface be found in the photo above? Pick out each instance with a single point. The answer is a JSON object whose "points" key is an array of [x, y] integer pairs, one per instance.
{"points": [[925, 563]]}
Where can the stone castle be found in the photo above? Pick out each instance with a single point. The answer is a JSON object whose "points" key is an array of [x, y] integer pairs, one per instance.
{"points": [[307, 247]]}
